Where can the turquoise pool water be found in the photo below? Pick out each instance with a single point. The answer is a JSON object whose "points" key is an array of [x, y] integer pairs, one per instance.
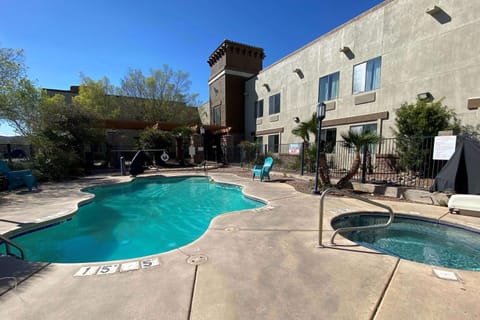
{"points": [[417, 240], [144, 217]]}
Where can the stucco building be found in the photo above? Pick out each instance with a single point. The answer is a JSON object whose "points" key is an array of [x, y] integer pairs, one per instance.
{"points": [[363, 70]]}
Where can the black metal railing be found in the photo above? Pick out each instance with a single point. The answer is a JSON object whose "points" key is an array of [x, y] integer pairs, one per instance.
{"points": [[390, 162]]}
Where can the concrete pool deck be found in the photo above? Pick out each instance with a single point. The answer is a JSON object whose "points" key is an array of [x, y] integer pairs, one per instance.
{"points": [[257, 264]]}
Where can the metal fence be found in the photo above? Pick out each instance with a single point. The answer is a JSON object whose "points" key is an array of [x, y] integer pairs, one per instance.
{"points": [[390, 162]]}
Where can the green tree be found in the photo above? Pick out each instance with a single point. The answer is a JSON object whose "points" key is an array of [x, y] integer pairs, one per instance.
{"points": [[163, 96], [18, 96], [61, 135], [152, 138], [303, 131], [416, 125], [97, 98], [12, 71], [357, 141]]}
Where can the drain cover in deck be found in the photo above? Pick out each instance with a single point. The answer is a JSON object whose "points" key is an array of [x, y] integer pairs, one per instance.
{"points": [[197, 259]]}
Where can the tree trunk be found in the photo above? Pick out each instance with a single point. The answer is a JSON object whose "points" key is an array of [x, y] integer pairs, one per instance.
{"points": [[323, 168], [353, 170]]}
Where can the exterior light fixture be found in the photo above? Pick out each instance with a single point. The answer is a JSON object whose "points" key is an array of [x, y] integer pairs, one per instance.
{"points": [[439, 14], [425, 96], [348, 52], [296, 119], [321, 107], [299, 72], [266, 86], [434, 10]]}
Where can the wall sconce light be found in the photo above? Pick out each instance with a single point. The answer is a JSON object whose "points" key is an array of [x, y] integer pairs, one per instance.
{"points": [[299, 72], [439, 14], [266, 86], [434, 10], [296, 119], [425, 96], [348, 52]]}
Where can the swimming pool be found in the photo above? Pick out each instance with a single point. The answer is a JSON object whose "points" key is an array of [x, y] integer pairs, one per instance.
{"points": [[420, 240], [140, 218]]}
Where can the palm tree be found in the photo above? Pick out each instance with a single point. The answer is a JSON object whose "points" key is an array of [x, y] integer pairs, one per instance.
{"points": [[303, 131], [357, 141]]}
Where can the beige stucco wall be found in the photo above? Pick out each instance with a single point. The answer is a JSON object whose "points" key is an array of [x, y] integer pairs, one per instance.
{"points": [[419, 54], [204, 112]]}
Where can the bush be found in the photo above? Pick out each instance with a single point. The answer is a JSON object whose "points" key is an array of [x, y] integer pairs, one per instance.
{"points": [[56, 164], [416, 124], [151, 138]]}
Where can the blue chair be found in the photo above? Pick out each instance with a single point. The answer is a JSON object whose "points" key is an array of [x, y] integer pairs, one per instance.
{"points": [[18, 178], [263, 171]]}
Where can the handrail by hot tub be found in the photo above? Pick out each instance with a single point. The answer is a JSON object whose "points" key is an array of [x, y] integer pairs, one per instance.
{"points": [[9, 243], [375, 226]]}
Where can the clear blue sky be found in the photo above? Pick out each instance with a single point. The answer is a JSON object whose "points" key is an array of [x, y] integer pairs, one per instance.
{"points": [[98, 38]]}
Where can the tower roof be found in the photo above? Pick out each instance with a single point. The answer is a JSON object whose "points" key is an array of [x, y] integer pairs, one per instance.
{"points": [[228, 45]]}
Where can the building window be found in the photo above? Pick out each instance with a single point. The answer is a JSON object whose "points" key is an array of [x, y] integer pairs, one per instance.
{"points": [[259, 109], [273, 142], [366, 76], [371, 127], [328, 138], [217, 115], [328, 87], [259, 140], [274, 104], [259, 143]]}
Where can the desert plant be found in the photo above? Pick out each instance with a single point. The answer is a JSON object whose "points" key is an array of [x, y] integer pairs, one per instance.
{"points": [[357, 141], [303, 131]]}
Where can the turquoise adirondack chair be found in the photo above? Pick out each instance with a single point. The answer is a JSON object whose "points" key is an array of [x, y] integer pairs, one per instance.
{"points": [[18, 177], [263, 171]]}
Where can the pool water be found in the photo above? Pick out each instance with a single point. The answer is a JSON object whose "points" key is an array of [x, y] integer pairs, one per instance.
{"points": [[417, 240], [144, 217]]}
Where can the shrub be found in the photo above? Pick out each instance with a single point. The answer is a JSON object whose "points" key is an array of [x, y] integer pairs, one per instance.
{"points": [[416, 123]]}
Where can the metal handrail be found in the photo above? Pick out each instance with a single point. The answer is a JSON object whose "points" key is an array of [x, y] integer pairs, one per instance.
{"points": [[375, 226], [9, 243]]}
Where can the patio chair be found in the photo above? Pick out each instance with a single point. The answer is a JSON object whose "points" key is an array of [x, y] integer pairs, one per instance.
{"points": [[263, 171], [18, 178]]}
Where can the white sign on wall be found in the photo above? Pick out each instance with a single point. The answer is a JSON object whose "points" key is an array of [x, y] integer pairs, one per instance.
{"points": [[444, 147]]}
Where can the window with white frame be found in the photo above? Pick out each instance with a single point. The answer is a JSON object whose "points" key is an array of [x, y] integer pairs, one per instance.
{"points": [[274, 104], [259, 109], [328, 87], [259, 140], [366, 75], [328, 139], [273, 141], [370, 127], [259, 143]]}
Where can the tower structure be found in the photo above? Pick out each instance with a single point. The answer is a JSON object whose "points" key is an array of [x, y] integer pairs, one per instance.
{"points": [[231, 65]]}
